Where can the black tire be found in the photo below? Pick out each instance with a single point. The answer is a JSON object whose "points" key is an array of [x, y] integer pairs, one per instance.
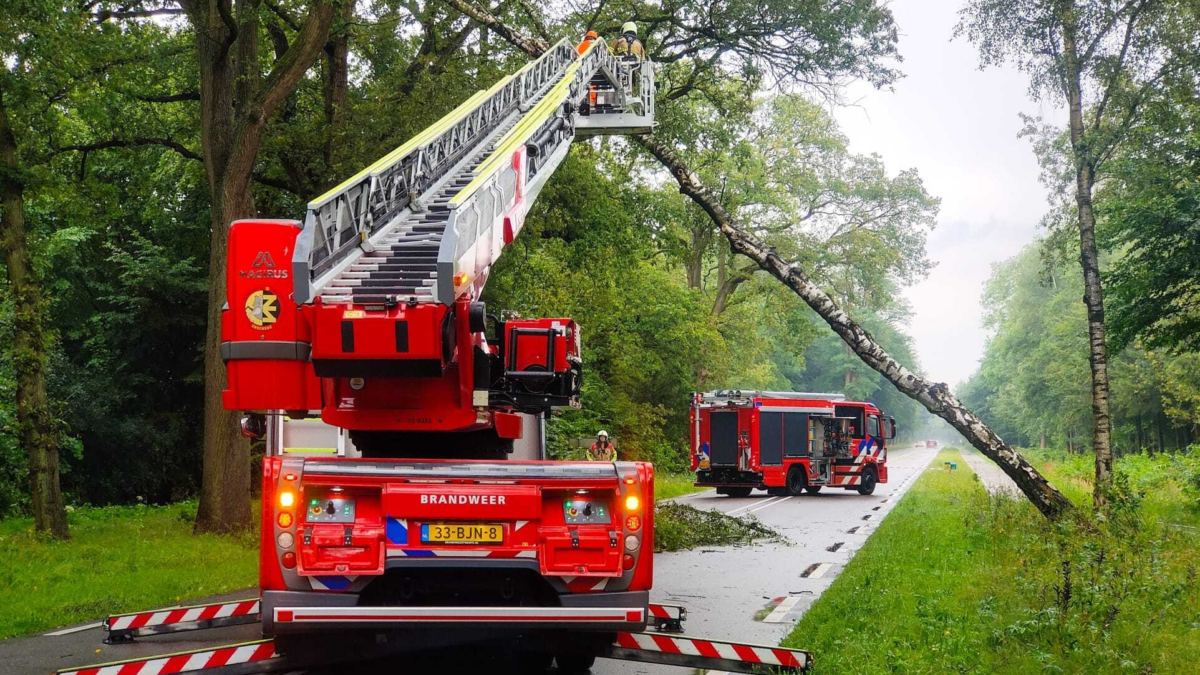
{"points": [[869, 480], [812, 489], [797, 481], [571, 664], [738, 491]]}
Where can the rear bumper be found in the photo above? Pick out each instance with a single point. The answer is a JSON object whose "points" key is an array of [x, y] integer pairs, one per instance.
{"points": [[289, 612]]}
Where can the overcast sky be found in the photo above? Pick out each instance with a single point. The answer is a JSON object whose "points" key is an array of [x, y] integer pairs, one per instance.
{"points": [[958, 127]]}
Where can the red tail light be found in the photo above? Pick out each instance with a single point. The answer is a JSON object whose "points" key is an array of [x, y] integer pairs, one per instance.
{"points": [[289, 560]]}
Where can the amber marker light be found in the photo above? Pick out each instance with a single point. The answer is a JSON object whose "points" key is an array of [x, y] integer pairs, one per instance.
{"points": [[287, 498], [632, 503]]}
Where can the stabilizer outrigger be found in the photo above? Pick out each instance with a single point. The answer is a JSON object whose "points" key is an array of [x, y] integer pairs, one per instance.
{"points": [[662, 645]]}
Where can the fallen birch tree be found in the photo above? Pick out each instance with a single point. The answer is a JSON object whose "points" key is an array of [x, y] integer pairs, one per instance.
{"points": [[935, 397]]}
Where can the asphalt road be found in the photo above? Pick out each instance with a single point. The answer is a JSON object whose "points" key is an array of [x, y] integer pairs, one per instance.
{"points": [[751, 594], [756, 594]]}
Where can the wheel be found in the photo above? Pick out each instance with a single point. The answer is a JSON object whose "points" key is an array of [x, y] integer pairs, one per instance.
{"points": [[869, 481], [797, 481], [575, 663], [738, 491], [812, 489]]}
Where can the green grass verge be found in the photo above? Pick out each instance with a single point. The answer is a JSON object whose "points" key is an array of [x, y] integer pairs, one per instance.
{"points": [[668, 485], [119, 559], [957, 581]]}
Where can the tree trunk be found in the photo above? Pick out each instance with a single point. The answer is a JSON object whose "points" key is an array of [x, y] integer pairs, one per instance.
{"points": [[234, 110], [36, 430], [935, 397], [1042, 440], [1089, 259]]}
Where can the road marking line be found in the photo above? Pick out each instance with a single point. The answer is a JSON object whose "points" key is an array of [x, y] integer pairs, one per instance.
{"points": [[772, 500], [76, 629], [780, 501], [820, 571], [780, 612]]}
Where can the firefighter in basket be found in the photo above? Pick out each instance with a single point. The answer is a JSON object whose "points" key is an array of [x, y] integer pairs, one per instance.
{"points": [[602, 450]]}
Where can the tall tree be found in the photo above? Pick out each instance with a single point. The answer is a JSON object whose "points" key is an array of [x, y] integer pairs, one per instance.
{"points": [[24, 57], [934, 397], [1100, 58], [236, 103]]}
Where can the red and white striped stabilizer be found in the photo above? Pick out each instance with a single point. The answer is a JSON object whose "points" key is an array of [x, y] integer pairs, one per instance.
{"points": [[248, 657], [183, 618], [668, 618], [711, 654]]}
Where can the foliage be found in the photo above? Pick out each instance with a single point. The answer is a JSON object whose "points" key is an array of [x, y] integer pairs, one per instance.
{"points": [[678, 527], [1149, 210], [959, 581], [1033, 381], [119, 559]]}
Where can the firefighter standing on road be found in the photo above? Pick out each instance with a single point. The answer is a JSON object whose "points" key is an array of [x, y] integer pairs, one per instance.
{"points": [[602, 450], [628, 43]]}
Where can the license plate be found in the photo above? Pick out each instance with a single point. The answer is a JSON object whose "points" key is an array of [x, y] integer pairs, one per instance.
{"points": [[462, 533]]}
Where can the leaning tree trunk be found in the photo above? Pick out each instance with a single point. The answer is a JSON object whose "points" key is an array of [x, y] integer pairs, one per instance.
{"points": [[936, 398], [36, 430], [1089, 259]]}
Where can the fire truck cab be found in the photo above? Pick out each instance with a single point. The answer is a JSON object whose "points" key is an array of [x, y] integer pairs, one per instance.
{"points": [[787, 442]]}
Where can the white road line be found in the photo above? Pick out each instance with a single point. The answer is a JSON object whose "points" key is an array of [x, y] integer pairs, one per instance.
{"points": [[820, 571], [780, 612], [76, 629], [768, 505], [739, 509]]}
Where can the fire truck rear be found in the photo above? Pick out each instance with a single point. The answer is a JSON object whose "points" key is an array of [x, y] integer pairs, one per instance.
{"points": [[788, 442]]}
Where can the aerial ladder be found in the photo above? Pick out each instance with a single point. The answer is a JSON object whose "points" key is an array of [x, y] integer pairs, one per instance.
{"points": [[415, 528]]}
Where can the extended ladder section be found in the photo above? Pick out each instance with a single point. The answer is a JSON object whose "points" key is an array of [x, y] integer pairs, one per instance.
{"points": [[426, 222]]}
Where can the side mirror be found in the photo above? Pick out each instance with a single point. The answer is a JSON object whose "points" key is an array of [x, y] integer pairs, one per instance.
{"points": [[891, 428]]}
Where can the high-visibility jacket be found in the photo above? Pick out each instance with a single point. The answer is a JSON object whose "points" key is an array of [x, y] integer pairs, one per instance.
{"points": [[602, 453], [628, 45]]}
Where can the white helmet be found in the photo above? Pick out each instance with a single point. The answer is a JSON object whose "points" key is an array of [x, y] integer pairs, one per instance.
{"points": [[629, 27], [602, 433]]}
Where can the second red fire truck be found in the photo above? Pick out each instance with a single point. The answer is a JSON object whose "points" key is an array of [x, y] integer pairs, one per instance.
{"points": [[788, 442]]}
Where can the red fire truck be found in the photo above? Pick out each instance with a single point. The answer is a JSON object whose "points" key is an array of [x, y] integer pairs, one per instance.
{"points": [[410, 525], [787, 442]]}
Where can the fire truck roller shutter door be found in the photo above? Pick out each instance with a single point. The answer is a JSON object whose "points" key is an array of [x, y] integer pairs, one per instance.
{"points": [[770, 438], [723, 434], [857, 413], [795, 434]]}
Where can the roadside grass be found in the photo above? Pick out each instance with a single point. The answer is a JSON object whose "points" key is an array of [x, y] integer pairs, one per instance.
{"points": [[670, 485], [119, 559], [955, 580]]}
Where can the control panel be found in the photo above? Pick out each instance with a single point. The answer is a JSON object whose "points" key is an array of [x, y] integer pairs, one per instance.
{"points": [[330, 509], [585, 511]]}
